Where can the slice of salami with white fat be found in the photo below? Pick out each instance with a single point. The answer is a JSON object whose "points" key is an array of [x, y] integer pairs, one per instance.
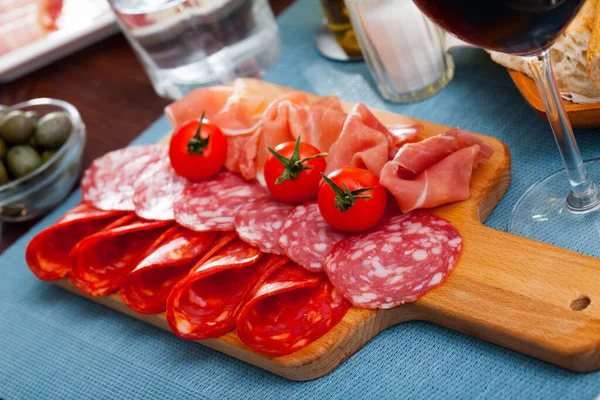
{"points": [[307, 238], [108, 184], [398, 262], [211, 205], [155, 191], [260, 223]]}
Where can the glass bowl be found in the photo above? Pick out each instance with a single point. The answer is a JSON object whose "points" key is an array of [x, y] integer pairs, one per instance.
{"points": [[39, 191]]}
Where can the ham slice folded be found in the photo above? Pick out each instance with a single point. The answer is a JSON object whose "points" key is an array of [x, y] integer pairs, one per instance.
{"points": [[365, 142], [434, 171]]}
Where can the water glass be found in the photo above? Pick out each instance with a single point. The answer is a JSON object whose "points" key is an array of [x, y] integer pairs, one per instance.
{"points": [[404, 50], [186, 44]]}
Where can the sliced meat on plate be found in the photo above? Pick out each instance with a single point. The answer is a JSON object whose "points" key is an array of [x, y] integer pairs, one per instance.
{"points": [[47, 254], [290, 310], [102, 261], [434, 171], [307, 238], [108, 184], [260, 223], [146, 288], [155, 191], [397, 262], [206, 303], [211, 205]]}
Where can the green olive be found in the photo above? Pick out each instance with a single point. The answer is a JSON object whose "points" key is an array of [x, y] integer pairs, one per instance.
{"points": [[22, 160], [4, 110], [53, 130], [2, 149], [3, 174], [34, 115], [16, 128], [47, 154]]}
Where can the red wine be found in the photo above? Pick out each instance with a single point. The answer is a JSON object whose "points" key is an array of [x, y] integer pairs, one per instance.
{"points": [[511, 26]]}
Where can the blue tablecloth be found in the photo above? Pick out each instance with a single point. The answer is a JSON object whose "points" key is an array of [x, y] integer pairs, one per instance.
{"points": [[55, 345]]}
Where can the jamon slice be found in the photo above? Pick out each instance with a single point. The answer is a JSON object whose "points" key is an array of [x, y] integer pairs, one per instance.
{"points": [[206, 303], [47, 254], [434, 171], [291, 309], [102, 261], [146, 288]]}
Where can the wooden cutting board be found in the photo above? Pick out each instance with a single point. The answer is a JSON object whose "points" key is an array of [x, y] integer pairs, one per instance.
{"points": [[531, 297]]}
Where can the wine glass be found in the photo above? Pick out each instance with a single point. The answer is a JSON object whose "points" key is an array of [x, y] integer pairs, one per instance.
{"points": [[528, 28]]}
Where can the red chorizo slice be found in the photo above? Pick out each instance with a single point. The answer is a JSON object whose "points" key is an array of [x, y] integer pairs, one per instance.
{"points": [[206, 303], [47, 254], [399, 261], [108, 184], [211, 205], [260, 223], [155, 191], [146, 288], [307, 238], [292, 308], [102, 261]]}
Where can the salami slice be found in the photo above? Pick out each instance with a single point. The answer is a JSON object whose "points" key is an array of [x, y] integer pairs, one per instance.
{"points": [[147, 287], [47, 254], [206, 303], [307, 238], [260, 222], [155, 191], [211, 205], [102, 261], [108, 184], [396, 263], [292, 308]]}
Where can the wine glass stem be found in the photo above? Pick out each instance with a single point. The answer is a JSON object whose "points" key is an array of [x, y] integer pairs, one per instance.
{"points": [[584, 195]]}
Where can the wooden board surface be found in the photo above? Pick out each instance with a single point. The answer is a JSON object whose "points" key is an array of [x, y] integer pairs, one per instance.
{"points": [[580, 115], [527, 296]]}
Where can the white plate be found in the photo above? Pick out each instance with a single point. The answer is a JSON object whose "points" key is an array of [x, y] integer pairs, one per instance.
{"points": [[81, 23]]}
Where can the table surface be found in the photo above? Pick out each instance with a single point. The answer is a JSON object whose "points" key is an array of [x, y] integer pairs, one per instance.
{"points": [[105, 82]]}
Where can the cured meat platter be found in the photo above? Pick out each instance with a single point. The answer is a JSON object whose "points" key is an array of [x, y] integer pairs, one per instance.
{"points": [[520, 294]]}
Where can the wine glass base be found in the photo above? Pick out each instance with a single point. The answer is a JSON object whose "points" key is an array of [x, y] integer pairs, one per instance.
{"points": [[542, 214]]}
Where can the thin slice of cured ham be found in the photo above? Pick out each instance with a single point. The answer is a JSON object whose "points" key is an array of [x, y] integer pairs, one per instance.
{"points": [[397, 262], [211, 205], [260, 223], [47, 254], [307, 238], [290, 310], [363, 143], [146, 288], [434, 171], [102, 261], [155, 191], [206, 303], [108, 184], [319, 123]]}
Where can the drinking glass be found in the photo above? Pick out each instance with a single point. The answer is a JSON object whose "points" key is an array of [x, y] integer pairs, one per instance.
{"points": [[186, 44], [405, 52], [547, 211]]}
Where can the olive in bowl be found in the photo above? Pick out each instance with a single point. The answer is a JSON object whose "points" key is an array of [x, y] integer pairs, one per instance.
{"points": [[39, 167]]}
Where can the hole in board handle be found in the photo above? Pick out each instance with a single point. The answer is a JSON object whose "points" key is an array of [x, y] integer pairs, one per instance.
{"points": [[580, 303]]}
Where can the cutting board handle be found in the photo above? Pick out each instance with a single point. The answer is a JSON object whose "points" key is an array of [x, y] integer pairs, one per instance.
{"points": [[532, 297]]}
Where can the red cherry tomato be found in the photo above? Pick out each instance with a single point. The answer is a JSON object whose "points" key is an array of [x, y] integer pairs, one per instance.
{"points": [[351, 199], [198, 152], [293, 171]]}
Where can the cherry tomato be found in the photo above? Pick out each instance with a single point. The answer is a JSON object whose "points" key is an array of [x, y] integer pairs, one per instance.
{"points": [[351, 199], [293, 171], [198, 151]]}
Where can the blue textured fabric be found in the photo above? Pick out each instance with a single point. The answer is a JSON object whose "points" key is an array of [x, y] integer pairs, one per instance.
{"points": [[55, 345]]}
